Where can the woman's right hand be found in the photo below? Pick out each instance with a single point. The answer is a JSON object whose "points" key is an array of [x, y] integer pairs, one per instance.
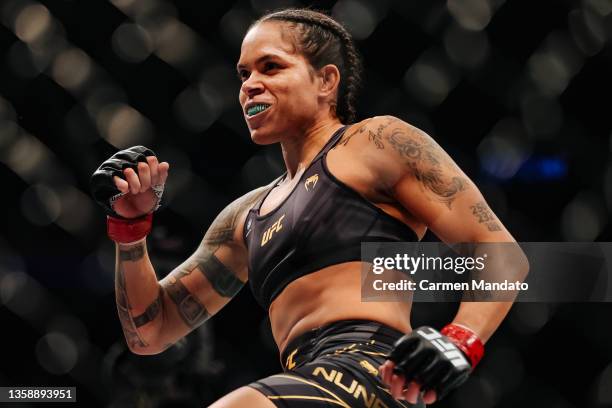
{"points": [[141, 190], [130, 183]]}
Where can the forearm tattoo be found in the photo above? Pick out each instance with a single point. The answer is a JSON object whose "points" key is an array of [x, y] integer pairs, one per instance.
{"points": [[151, 312], [133, 253], [132, 336], [485, 216]]}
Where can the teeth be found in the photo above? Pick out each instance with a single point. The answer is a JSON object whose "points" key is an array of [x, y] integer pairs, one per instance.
{"points": [[255, 109]]}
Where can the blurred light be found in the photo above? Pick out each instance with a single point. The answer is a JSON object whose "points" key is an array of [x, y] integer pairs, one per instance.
{"points": [[22, 295], [601, 7], [101, 96], [541, 115], [123, 126], [32, 160], [583, 218], [72, 327], [358, 17], [234, 25], [24, 63], [561, 45], [80, 129], [428, 82], [174, 42], [263, 6], [196, 110], [549, 72], [11, 283], [8, 133], [543, 168], [141, 10], [40, 205], [604, 386], [257, 171], [71, 68], [529, 318], [466, 48], [77, 211], [124, 5], [33, 23], [56, 353], [504, 150], [472, 15], [132, 43], [588, 31]]}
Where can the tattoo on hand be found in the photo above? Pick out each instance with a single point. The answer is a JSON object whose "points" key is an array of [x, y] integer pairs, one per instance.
{"points": [[485, 216]]}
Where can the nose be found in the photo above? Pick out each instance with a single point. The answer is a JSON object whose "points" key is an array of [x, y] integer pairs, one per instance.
{"points": [[252, 86]]}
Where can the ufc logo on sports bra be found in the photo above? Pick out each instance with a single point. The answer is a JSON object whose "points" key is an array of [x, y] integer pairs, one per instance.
{"points": [[267, 235]]}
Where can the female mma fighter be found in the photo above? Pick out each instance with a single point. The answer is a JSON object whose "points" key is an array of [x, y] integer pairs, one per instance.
{"points": [[297, 240]]}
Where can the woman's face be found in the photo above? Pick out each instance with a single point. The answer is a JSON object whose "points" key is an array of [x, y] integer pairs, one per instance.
{"points": [[279, 92]]}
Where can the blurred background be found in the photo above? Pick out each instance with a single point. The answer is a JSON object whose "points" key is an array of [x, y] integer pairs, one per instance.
{"points": [[518, 92]]}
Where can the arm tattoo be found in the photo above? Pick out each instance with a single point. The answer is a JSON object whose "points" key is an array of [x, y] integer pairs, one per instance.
{"points": [[150, 313], [374, 137], [133, 253], [132, 336], [485, 216], [222, 279], [427, 164], [191, 310]]}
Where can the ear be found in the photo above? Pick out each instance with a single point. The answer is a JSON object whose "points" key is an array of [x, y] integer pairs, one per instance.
{"points": [[329, 76]]}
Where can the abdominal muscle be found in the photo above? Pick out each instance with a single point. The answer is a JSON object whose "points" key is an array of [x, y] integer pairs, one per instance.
{"points": [[328, 295]]}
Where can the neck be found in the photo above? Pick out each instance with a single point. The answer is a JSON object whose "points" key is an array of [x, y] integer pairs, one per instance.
{"points": [[300, 149]]}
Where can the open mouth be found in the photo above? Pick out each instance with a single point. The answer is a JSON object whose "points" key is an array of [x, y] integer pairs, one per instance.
{"points": [[256, 109]]}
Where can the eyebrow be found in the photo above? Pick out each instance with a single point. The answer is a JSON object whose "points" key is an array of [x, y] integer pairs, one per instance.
{"points": [[259, 60]]}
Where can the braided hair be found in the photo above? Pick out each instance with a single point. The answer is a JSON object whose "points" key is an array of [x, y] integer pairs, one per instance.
{"points": [[322, 41]]}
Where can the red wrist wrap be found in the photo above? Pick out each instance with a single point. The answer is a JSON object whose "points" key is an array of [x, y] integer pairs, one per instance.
{"points": [[126, 231], [466, 340]]}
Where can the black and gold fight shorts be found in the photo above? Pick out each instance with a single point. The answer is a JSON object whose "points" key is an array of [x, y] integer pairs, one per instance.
{"points": [[334, 366]]}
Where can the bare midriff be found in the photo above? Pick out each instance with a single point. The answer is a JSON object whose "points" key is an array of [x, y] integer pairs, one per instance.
{"points": [[328, 295]]}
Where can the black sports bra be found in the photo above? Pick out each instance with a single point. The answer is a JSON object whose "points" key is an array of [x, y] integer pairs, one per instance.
{"points": [[322, 222]]}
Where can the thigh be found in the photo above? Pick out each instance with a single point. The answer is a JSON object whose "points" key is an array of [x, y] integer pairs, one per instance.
{"points": [[243, 397]]}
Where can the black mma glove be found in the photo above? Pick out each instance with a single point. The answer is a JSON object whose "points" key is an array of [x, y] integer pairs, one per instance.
{"points": [[103, 188], [431, 359]]}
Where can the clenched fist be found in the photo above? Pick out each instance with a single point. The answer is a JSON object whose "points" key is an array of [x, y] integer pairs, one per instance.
{"points": [[130, 183]]}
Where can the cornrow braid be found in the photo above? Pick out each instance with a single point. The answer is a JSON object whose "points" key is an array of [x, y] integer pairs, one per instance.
{"points": [[322, 40]]}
